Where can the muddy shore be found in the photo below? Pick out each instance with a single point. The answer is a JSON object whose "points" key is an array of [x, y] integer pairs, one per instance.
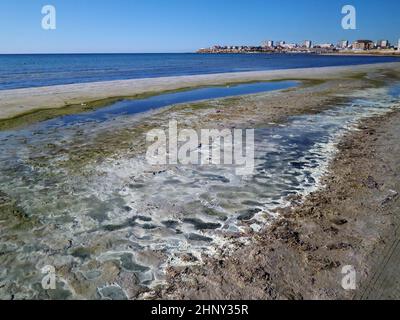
{"points": [[353, 221]]}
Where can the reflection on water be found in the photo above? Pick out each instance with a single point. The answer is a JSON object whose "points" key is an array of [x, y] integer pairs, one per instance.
{"points": [[131, 107], [112, 228]]}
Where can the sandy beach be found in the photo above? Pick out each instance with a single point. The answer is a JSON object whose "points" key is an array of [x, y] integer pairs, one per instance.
{"points": [[18, 102]]}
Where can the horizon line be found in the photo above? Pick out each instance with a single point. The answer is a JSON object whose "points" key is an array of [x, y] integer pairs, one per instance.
{"points": [[49, 53]]}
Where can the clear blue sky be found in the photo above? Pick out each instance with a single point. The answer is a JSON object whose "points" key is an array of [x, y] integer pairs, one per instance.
{"points": [[186, 25]]}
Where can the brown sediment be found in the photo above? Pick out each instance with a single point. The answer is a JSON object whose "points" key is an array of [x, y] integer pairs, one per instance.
{"points": [[353, 220]]}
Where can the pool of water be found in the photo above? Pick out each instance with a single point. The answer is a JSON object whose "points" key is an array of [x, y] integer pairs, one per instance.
{"points": [[113, 227], [132, 107]]}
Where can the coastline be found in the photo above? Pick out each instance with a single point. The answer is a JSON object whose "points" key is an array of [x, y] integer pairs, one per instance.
{"points": [[365, 54], [202, 158], [295, 240], [260, 109], [80, 97], [352, 220], [319, 224]]}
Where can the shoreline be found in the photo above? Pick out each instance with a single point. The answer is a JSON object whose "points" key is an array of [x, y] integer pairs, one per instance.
{"points": [[351, 220], [260, 110], [364, 54], [371, 53], [291, 243], [350, 53], [78, 97]]}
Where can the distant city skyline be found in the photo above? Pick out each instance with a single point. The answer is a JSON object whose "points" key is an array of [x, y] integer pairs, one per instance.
{"points": [[342, 47], [309, 42], [105, 26]]}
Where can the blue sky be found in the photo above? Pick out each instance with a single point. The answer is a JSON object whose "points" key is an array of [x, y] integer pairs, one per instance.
{"points": [[186, 25]]}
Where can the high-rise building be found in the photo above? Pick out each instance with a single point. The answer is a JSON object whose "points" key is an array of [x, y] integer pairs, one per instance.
{"points": [[289, 45], [343, 44], [268, 44], [308, 44], [325, 46], [363, 45], [383, 44]]}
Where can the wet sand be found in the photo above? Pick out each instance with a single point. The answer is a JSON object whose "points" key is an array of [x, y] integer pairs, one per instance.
{"points": [[354, 220]]}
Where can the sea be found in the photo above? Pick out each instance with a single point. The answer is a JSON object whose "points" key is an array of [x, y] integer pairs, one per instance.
{"points": [[37, 70]]}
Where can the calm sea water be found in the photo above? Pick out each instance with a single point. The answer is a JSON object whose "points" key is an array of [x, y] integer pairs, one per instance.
{"points": [[22, 71]]}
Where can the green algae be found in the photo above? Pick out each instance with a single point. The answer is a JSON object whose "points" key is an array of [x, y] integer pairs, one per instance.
{"points": [[133, 139], [39, 115], [82, 253], [16, 219], [43, 114]]}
